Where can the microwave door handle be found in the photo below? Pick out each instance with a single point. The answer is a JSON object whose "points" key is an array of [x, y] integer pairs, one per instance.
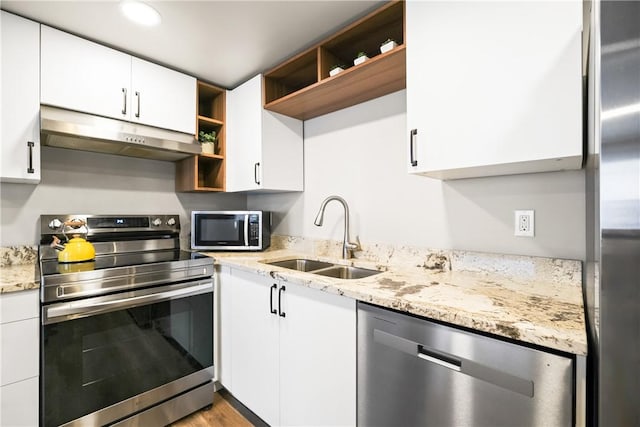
{"points": [[246, 230]]}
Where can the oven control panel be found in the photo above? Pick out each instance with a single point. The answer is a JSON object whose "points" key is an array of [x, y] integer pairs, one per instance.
{"points": [[113, 224]]}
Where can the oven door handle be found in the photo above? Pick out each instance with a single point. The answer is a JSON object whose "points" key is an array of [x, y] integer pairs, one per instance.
{"points": [[93, 306]]}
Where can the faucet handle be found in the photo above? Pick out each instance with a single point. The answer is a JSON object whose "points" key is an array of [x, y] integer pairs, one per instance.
{"points": [[352, 246]]}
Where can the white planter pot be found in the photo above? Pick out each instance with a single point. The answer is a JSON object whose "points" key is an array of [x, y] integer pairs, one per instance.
{"points": [[388, 46], [335, 71], [359, 60], [208, 147]]}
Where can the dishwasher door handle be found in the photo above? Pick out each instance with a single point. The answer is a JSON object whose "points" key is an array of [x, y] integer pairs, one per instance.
{"points": [[439, 358], [455, 363]]}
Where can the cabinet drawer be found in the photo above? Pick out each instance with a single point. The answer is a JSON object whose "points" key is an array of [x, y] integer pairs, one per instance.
{"points": [[19, 306], [19, 344], [19, 404]]}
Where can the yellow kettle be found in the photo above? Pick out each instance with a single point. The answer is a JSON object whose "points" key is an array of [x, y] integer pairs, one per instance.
{"points": [[76, 249]]}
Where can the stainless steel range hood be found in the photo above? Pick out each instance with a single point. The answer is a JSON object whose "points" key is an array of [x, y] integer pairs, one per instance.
{"points": [[80, 131]]}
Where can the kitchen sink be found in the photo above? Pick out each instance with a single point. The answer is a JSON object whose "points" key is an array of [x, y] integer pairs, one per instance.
{"points": [[346, 272], [301, 264], [325, 268]]}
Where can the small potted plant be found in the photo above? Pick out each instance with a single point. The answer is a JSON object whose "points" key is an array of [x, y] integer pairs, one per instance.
{"points": [[387, 45], [336, 69], [360, 58], [207, 141]]}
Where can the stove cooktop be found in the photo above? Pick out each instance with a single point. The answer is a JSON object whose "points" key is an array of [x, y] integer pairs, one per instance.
{"points": [[53, 267]]}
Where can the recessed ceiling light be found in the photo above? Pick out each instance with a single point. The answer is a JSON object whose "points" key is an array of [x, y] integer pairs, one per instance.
{"points": [[140, 13]]}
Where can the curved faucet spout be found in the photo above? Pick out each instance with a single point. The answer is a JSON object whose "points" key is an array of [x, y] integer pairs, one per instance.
{"points": [[347, 246]]}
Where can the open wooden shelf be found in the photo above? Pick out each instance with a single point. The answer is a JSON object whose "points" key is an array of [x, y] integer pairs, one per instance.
{"points": [[201, 173], [302, 87], [206, 172]]}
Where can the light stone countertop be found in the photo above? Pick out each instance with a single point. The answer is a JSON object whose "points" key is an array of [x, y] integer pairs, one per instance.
{"points": [[534, 300], [18, 269], [541, 307]]}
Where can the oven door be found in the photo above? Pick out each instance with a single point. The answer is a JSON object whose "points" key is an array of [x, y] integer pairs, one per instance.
{"points": [[108, 357], [220, 230]]}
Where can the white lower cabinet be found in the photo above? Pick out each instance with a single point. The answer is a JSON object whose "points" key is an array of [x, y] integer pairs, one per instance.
{"points": [[19, 403], [19, 336], [223, 275], [293, 351]]}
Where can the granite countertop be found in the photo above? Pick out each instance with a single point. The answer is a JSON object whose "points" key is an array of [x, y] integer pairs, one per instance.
{"points": [[534, 300], [541, 305], [18, 269]]}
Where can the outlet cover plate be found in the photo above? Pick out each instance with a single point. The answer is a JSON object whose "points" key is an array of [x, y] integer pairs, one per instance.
{"points": [[524, 223]]}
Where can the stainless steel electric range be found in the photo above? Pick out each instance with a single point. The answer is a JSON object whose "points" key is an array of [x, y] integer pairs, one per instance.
{"points": [[126, 338]]}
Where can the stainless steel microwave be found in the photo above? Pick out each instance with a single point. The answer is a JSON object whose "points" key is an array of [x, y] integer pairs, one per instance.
{"points": [[230, 230]]}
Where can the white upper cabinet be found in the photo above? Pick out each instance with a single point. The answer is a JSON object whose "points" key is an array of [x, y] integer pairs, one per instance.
{"points": [[493, 88], [84, 76], [20, 144], [264, 149], [162, 97], [81, 75]]}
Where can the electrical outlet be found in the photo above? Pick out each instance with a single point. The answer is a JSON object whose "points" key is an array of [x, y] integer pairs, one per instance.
{"points": [[524, 223]]}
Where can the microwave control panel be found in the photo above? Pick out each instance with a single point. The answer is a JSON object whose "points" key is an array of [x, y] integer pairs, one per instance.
{"points": [[254, 230]]}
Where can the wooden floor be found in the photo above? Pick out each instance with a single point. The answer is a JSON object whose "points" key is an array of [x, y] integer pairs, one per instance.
{"points": [[220, 414]]}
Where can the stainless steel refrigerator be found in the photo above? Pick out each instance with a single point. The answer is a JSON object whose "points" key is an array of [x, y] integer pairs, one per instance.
{"points": [[612, 282]]}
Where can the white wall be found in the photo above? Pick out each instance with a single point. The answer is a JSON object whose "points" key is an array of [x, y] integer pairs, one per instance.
{"points": [[359, 153], [91, 183]]}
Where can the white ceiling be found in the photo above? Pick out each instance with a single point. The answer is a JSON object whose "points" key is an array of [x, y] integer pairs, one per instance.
{"points": [[223, 42]]}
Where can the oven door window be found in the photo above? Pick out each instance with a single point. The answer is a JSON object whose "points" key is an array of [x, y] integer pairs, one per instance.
{"points": [[220, 230], [94, 362]]}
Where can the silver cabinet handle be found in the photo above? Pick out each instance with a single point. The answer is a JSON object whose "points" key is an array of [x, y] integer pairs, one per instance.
{"points": [[412, 147], [138, 110], [256, 167], [30, 145], [124, 100]]}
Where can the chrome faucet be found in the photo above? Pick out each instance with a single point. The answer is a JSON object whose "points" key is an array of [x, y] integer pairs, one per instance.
{"points": [[347, 246]]}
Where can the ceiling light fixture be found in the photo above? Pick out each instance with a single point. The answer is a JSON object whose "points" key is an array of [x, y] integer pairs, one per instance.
{"points": [[140, 13]]}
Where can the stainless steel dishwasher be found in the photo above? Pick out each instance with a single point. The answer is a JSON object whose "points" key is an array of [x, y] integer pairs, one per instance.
{"points": [[414, 372]]}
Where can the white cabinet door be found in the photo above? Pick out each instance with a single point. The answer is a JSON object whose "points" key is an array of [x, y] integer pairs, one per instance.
{"points": [[20, 350], [19, 403], [494, 88], [225, 359], [293, 351], [19, 336], [81, 75], [254, 346], [244, 135], [264, 149], [162, 97], [19, 358], [21, 305], [317, 358], [20, 144]]}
